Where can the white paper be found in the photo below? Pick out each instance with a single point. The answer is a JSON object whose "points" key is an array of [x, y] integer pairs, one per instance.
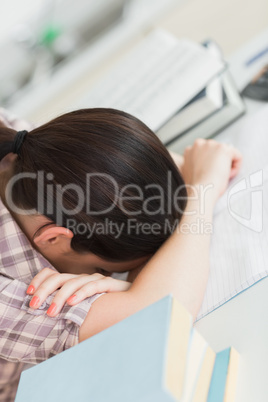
{"points": [[239, 246], [156, 78]]}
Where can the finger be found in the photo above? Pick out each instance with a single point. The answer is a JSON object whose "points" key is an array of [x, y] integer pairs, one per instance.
{"points": [[236, 166], [38, 279], [91, 288], [68, 289], [236, 161], [48, 286], [187, 149]]}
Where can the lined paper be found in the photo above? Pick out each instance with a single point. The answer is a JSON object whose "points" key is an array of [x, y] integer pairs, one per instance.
{"points": [[239, 254]]}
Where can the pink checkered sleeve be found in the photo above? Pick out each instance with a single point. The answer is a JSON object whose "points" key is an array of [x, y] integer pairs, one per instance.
{"points": [[31, 336]]}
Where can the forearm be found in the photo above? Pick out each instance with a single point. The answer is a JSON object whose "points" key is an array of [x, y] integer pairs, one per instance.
{"points": [[181, 265]]}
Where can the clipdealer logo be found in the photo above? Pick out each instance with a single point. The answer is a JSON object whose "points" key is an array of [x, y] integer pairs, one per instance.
{"points": [[252, 186]]}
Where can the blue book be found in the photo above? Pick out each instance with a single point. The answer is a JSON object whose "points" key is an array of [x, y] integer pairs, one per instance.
{"points": [[140, 359], [224, 377]]}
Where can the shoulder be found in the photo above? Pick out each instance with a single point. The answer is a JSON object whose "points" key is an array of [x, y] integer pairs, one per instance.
{"points": [[18, 258], [31, 336]]}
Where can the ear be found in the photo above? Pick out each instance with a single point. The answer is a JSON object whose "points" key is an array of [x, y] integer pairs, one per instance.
{"points": [[55, 236]]}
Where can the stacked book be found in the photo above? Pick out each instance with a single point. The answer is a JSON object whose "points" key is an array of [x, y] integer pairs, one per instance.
{"points": [[181, 89], [154, 355]]}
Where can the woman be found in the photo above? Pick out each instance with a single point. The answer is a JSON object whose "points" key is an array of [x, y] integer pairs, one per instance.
{"points": [[95, 191]]}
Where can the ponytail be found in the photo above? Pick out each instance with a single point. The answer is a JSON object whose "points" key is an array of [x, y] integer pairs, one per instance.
{"points": [[7, 136]]}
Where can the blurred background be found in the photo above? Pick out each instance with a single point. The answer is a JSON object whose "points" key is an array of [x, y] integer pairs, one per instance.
{"points": [[52, 50]]}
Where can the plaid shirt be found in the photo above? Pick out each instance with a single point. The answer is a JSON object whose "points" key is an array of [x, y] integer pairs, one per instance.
{"points": [[27, 336]]}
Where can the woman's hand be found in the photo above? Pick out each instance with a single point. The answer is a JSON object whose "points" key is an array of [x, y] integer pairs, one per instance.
{"points": [[73, 288], [210, 163]]}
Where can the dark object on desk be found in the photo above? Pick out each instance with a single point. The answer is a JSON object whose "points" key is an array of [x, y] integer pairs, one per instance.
{"points": [[212, 110], [258, 88], [211, 124]]}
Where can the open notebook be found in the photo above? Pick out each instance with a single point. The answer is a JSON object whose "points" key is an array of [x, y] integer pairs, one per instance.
{"points": [[239, 246]]}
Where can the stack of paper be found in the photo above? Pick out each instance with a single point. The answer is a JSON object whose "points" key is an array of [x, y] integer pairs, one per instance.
{"points": [[152, 356], [179, 88]]}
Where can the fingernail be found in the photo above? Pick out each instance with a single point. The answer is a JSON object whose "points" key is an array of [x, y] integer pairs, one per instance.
{"points": [[52, 309], [30, 290], [35, 301], [71, 299]]}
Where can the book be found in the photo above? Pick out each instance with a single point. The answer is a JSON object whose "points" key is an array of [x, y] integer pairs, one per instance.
{"points": [[216, 107], [208, 101], [233, 107], [152, 356], [223, 382], [141, 358], [203, 105], [203, 382], [199, 369], [180, 89], [156, 78]]}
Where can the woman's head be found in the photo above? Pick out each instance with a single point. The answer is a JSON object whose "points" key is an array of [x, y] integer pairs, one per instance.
{"points": [[102, 174]]}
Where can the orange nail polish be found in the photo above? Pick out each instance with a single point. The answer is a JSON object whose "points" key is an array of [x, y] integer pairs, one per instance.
{"points": [[71, 299], [30, 290], [52, 309], [35, 301]]}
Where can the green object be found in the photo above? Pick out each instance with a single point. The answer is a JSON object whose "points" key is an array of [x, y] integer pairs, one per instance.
{"points": [[50, 34]]}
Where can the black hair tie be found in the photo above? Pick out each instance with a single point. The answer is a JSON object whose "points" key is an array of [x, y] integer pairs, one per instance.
{"points": [[18, 141]]}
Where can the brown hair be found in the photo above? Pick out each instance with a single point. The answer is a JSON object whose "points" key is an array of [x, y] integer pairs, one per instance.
{"points": [[104, 141]]}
